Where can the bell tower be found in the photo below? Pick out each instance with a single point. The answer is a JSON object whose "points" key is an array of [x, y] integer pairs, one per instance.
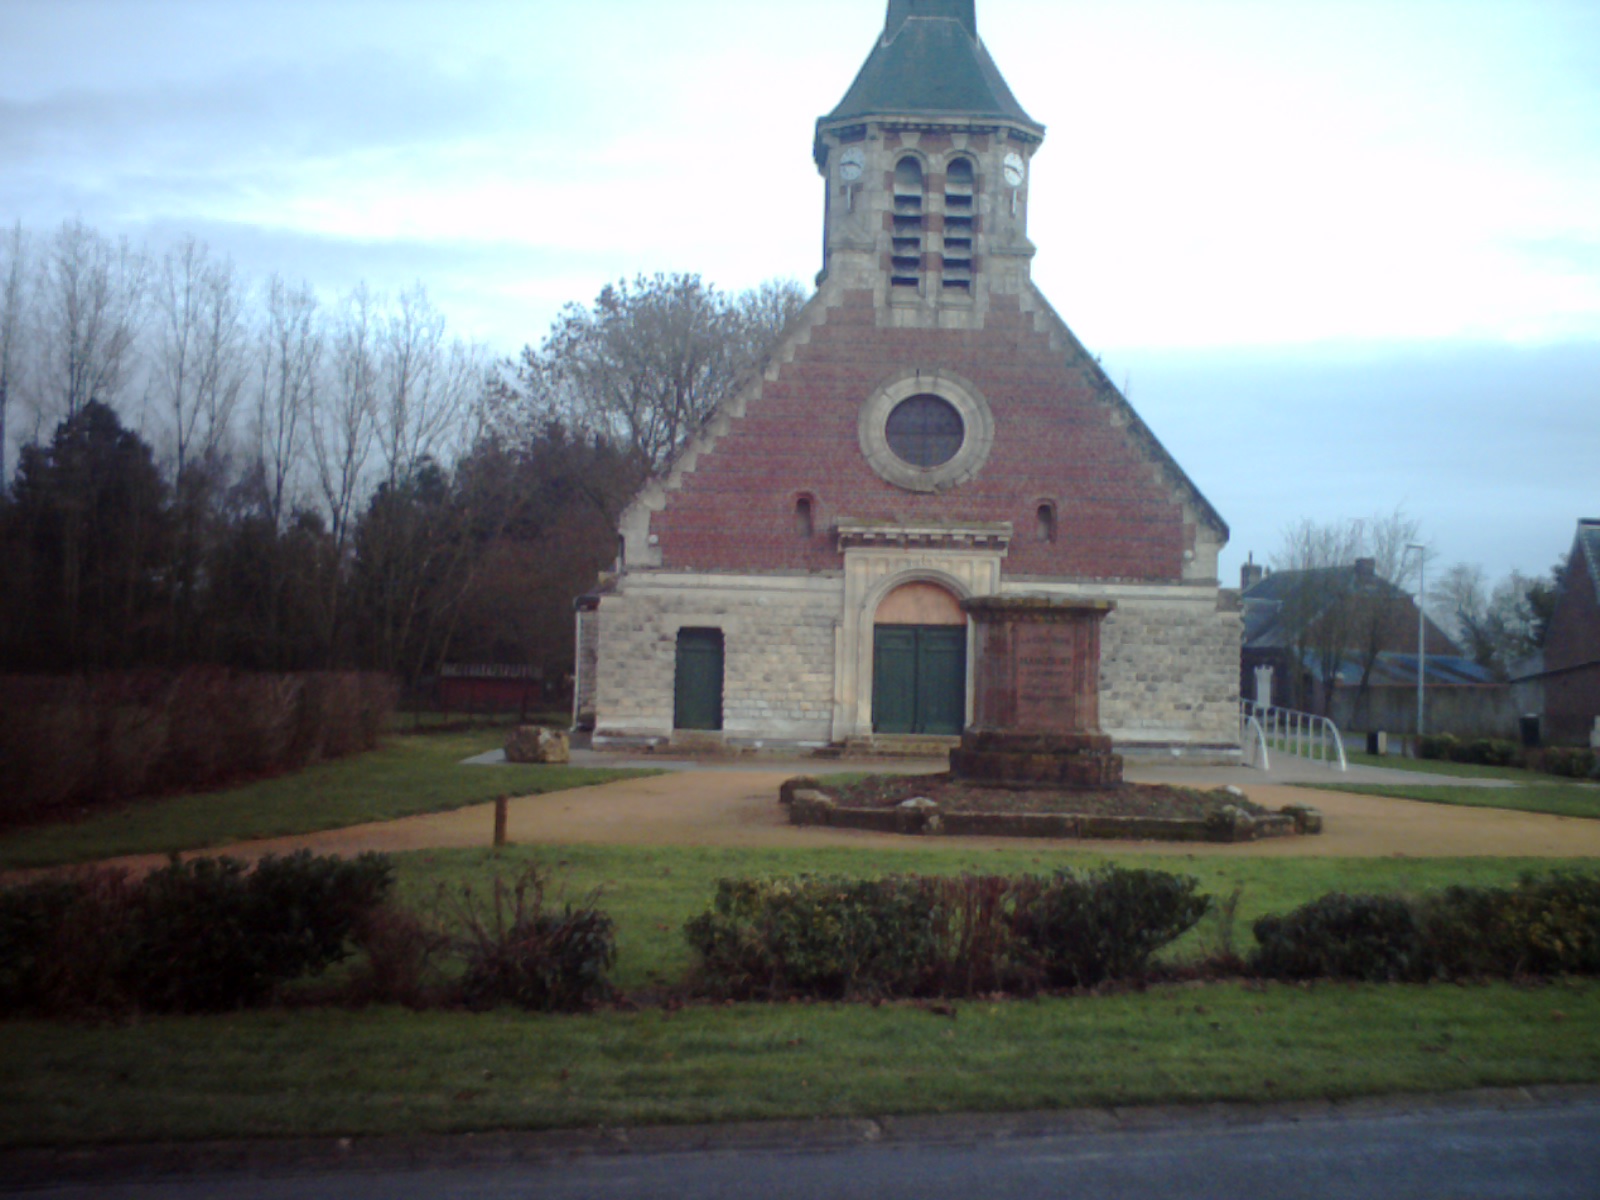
{"points": [[926, 163]]}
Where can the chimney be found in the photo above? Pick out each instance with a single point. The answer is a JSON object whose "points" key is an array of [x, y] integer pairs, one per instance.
{"points": [[1250, 574], [1366, 567]]}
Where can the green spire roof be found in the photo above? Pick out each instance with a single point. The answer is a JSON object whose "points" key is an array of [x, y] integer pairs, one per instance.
{"points": [[930, 60]]}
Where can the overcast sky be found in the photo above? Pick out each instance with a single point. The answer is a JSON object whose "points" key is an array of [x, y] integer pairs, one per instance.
{"points": [[1344, 255]]}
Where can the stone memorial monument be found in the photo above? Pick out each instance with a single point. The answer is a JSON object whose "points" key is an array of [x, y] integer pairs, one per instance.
{"points": [[1036, 713]]}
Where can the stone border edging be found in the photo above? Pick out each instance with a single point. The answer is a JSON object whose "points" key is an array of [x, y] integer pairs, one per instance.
{"points": [[810, 803]]}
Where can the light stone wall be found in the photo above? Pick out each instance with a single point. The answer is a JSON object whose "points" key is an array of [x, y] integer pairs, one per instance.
{"points": [[587, 661], [778, 634], [1169, 673], [1169, 661]]}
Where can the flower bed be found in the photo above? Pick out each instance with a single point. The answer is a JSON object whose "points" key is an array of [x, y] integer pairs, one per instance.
{"points": [[948, 806]]}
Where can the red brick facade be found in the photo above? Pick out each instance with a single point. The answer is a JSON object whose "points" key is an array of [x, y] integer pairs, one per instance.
{"points": [[1572, 654], [1056, 442]]}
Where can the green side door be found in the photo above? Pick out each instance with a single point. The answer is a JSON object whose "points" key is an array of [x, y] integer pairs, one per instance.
{"points": [[919, 679], [697, 680]]}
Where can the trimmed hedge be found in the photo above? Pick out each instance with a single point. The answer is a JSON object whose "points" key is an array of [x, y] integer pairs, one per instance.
{"points": [[1544, 925], [918, 935], [1574, 762], [67, 741], [205, 935], [1481, 751]]}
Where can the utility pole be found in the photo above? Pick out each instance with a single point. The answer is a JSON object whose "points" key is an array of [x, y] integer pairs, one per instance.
{"points": [[1422, 633]]}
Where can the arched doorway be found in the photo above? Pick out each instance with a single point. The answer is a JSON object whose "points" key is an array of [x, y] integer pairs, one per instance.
{"points": [[919, 662]]}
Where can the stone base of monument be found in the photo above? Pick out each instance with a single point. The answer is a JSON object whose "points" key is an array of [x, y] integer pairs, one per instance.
{"points": [[1037, 760]]}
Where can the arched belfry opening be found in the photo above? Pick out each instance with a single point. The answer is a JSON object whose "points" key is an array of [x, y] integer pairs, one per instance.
{"points": [[919, 662]]}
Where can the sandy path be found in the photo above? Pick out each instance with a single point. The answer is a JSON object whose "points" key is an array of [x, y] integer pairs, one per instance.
{"points": [[739, 808]]}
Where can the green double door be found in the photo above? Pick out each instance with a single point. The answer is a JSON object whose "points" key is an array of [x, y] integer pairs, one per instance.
{"points": [[919, 678]]}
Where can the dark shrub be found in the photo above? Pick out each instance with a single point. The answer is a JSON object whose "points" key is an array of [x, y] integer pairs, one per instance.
{"points": [[1545, 925], [518, 953], [1336, 936], [398, 963], [1442, 746], [209, 936], [814, 937], [908, 935], [1491, 752], [1554, 922], [30, 918], [1466, 933], [197, 936], [1106, 924], [1574, 762]]}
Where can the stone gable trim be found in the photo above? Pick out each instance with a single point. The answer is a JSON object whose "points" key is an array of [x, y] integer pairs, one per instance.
{"points": [[1172, 474], [639, 546]]}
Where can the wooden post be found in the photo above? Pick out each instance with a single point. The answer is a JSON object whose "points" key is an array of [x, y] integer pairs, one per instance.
{"points": [[499, 821]]}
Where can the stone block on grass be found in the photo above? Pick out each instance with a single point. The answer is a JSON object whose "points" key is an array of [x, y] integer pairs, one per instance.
{"points": [[537, 744]]}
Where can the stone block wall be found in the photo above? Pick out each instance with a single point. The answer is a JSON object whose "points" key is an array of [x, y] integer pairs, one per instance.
{"points": [[1169, 671], [778, 655]]}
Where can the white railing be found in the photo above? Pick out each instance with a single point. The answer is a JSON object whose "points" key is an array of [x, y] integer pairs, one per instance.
{"points": [[1253, 742], [1302, 734]]}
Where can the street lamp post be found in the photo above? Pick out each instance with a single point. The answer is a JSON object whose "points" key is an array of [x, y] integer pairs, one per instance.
{"points": [[1422, 633]]}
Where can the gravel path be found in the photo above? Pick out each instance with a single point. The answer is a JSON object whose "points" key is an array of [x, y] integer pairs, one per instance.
{"points": [[736, 805]]}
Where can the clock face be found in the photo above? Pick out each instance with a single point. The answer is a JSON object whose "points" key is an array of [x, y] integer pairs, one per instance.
{"points": [[851, 163], [1013, 168]]}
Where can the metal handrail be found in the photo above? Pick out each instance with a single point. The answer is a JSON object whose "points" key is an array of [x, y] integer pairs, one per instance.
{"points": [[1303, 734], [1248, 724]]}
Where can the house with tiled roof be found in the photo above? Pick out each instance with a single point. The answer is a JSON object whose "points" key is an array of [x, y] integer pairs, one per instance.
{"points": [[1362, 669], [1571, 674]]}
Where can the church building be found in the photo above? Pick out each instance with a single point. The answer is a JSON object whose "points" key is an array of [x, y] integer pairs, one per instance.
{"points": [[928, 430]]}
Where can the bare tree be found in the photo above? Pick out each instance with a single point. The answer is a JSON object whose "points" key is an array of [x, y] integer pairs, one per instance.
{"points": [[13, 301], [652, 359], [1380, 604], [1317, 612], [90, 310], [428, 387], [344, 419], [288, 360], [199, 359], [1347, 605], [1497, 626]]}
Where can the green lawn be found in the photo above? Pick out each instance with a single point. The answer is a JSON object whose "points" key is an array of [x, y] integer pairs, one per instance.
{"points": [[1561, 799], [325, 1072], [405, 776], [1434, 766]]}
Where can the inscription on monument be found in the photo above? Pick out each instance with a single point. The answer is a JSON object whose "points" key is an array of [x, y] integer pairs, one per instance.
{"points": [[1047, 677]]}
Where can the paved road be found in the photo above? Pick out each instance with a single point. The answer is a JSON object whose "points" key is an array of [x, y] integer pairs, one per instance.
{"points": [[1459, 1152]]}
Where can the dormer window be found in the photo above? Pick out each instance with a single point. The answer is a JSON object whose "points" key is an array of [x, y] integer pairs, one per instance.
{"points": [[959, 205], [905, 268]]}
